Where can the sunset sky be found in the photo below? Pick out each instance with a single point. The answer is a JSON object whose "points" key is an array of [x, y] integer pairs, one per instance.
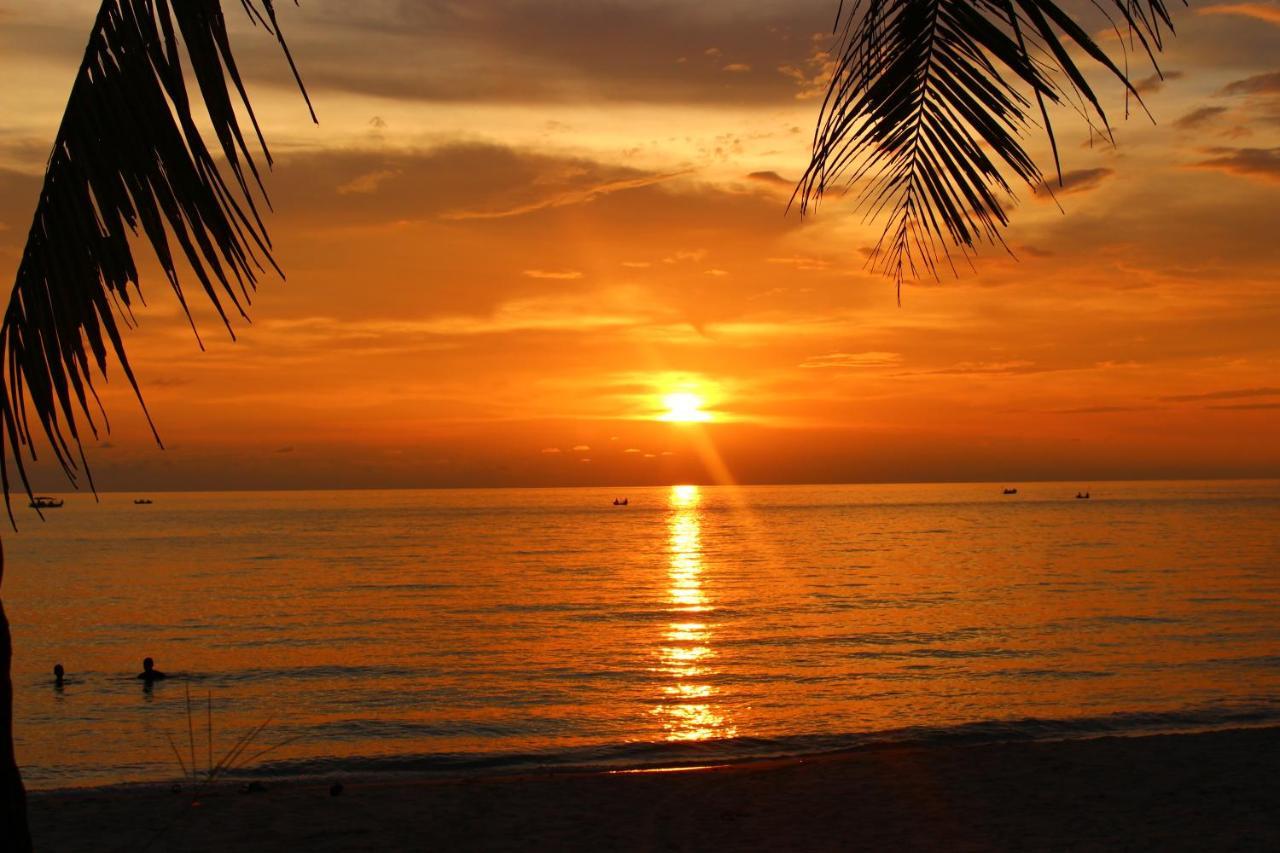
{"points": [[521, 224]]}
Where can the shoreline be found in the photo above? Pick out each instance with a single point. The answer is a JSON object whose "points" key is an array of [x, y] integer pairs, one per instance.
{"points": [[1161, 791], [662, 757]]}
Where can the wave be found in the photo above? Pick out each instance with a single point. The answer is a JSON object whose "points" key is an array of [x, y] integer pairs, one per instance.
{"points": [[656, 755]]}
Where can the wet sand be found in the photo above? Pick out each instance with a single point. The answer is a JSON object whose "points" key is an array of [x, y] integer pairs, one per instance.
{"points": [[1213, 791]]}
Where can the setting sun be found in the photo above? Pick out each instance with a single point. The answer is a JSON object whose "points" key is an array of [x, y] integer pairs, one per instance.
{"points": [[684, 407]]}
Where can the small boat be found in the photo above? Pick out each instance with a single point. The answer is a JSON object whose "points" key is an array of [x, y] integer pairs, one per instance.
{"points": [[1082, 496], [1010, 491], [623, 502], [142, 501], [45, 503]]}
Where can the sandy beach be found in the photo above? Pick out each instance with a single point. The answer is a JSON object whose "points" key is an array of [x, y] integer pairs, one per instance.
{"points": [[1211, 791]]}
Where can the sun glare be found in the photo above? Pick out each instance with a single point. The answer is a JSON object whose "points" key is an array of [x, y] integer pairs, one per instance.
{"points": [[684, 407]]}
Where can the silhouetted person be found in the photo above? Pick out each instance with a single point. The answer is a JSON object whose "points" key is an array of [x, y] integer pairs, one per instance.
{"points": [[58, 672], [149, 672]]}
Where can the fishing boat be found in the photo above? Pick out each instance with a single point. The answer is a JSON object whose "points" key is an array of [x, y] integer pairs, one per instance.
{"points": [[45, 503], [1010, 491], [141, 501]]}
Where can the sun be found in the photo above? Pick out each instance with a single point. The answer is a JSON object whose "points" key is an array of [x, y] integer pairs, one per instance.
{"points": [[684, 407]]}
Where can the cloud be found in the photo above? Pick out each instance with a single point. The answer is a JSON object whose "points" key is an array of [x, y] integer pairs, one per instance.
{"points": [[1247, 407], [286, 449], [772, 179], [550, 450], [1261, 163], [1258, 84], [1232, 394], [1095, 410], [564, 198], [1076, 181], [614, 309], [802, 263], [1156, 82], [582, 448], [984, 368], [558, 275], [685, 255], [367, 183], [557, 51], [852, 360], [1257, 11], [1198, 117], [812, 74]]}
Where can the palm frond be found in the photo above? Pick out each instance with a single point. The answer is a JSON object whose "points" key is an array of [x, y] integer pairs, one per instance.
{"points": [[129, 159], [930, 104]]}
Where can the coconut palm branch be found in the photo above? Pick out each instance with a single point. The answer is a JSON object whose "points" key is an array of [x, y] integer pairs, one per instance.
{"points": [[129, 160], [926, 117]]}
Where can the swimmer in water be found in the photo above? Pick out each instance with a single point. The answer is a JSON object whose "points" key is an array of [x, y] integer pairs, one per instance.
{"points": [[58, 672], [149, 672]]}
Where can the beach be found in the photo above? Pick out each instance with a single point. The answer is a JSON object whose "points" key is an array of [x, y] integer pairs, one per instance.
{"points": [[1204, 791]]}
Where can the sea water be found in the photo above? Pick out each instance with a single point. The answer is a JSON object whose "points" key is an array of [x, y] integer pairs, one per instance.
{"points": [[473, 630]]}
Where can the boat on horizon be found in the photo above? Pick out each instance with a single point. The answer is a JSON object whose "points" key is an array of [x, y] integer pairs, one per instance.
{"points": [[41, 502], [141, 501], [1010, 491]]}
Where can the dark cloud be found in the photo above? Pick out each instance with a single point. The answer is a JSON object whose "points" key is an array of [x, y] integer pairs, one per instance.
{"points": [[1258, 84], [1157, 81], [771, 178], [1247, 407], [1232, 394], [1261, 163], [1198, 117], [558, 50], [1096, 410], [451, 182], [1077, 181]]}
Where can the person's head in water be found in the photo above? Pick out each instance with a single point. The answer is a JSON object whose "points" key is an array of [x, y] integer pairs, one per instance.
{"points": [[58, 672], [149, 672]]}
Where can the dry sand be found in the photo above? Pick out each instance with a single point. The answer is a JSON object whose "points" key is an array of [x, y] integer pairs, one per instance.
{"points": [[1214, 791]]}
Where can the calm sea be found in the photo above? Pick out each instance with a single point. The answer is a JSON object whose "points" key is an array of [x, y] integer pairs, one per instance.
{"points": [[508, 629]]}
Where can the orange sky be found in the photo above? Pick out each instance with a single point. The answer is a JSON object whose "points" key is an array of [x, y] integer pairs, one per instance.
{"points": [[521, 224]]}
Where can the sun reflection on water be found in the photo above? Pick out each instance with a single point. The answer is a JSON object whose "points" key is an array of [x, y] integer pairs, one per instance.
{"points": [[688, 711]]}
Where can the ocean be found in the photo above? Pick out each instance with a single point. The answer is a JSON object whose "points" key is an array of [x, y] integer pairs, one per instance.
{"points": [[506, 630]]}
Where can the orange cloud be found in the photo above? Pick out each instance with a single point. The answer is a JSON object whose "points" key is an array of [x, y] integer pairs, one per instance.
{"points": [[553, 275], [1257, 11], [565, 198], [852, 360], [367, 183]]}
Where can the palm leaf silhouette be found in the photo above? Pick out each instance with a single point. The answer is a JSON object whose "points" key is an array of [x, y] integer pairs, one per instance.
{"points": [[129, 159], [930, 103]]}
